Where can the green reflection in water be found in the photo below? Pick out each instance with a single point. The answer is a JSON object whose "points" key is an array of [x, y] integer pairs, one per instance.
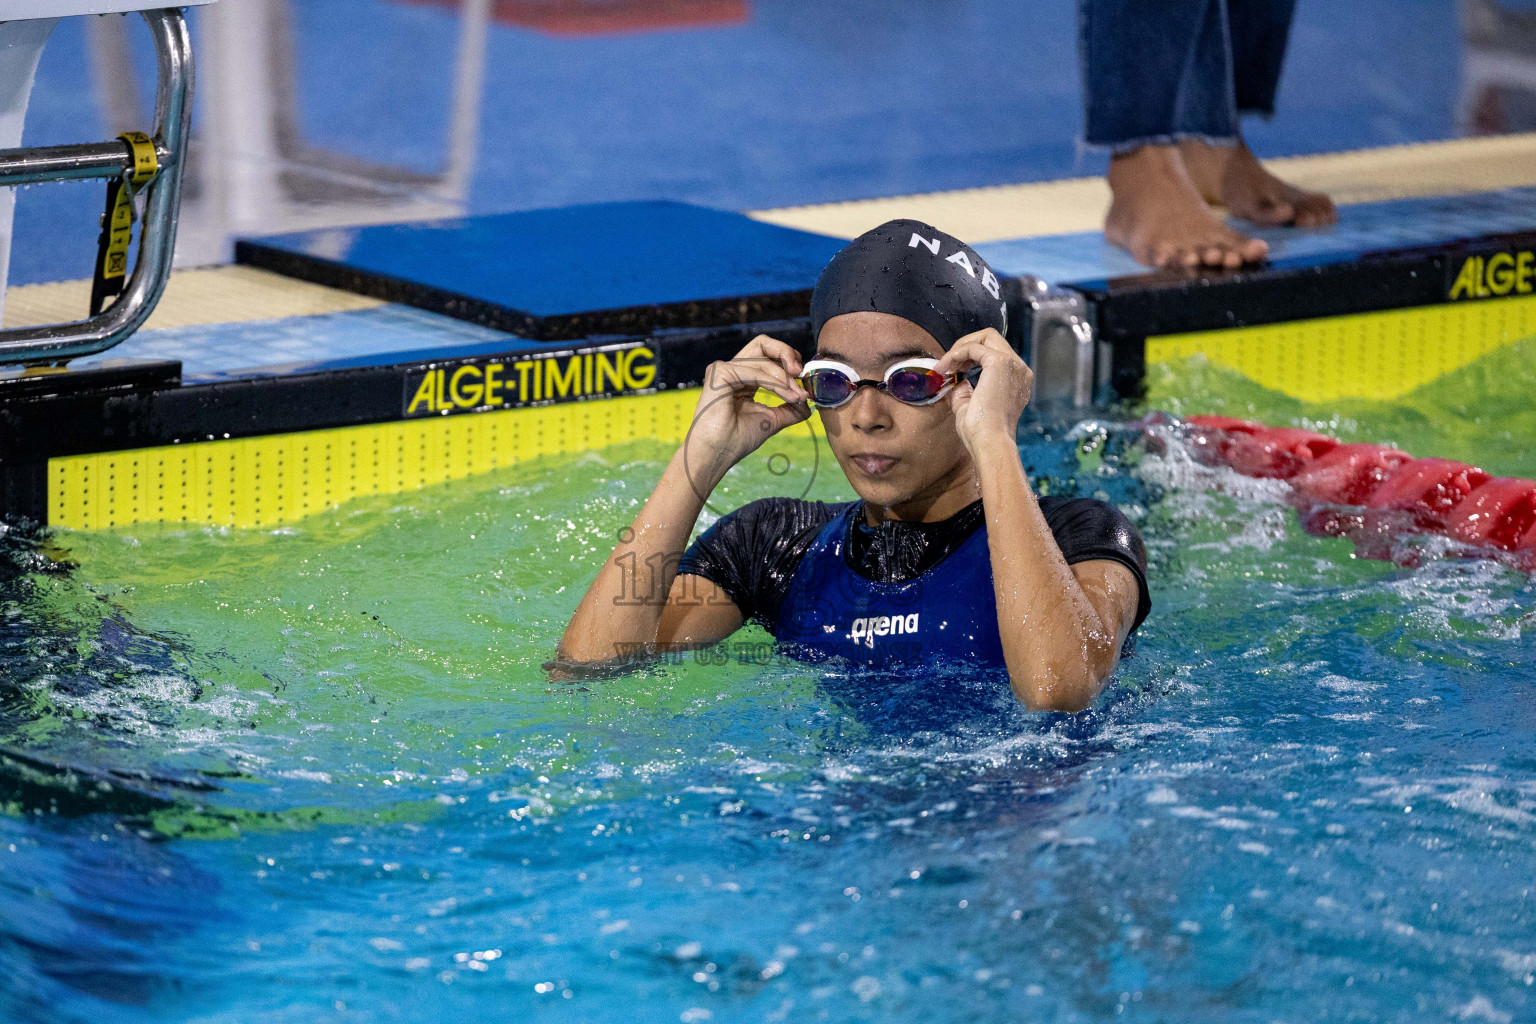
{"points": [[347, 658], [1481, 413]]}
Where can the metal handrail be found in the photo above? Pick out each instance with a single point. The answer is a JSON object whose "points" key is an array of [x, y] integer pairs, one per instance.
{"points": [[157, 236], [75, 162]]}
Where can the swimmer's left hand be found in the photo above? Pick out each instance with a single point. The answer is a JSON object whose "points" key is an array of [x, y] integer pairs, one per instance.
{"points": [[990, 411]]}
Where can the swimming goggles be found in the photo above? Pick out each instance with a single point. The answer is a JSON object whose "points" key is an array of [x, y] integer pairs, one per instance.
{"points": [[912, 381]]}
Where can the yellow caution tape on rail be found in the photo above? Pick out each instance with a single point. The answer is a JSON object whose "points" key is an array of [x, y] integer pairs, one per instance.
{"points": [[117, 222], [146, 162]]}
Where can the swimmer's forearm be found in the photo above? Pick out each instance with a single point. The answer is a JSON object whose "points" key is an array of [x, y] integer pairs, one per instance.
{"points": [[1058, 650], [621, 612]]}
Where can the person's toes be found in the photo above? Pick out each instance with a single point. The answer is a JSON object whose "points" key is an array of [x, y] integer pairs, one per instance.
{"points": [[1157, 254], [1315, 210], [1215, 255], [1271, 212], [1238, 248], [1263, 203], [1254, 250]]}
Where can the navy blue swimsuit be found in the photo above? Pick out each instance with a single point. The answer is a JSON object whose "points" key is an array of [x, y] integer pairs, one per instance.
{"points": [[827, 584], [946, 613]]}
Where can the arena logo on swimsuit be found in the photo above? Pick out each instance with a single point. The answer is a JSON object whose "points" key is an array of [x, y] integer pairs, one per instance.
{"points": [[507, 383], [1501, 273], [865, 630]]}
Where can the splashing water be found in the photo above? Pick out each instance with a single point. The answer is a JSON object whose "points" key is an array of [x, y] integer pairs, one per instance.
{"points": [[318, 773]]}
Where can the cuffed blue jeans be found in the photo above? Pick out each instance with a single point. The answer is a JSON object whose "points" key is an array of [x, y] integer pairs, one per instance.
{"points": [[1157, 71]]}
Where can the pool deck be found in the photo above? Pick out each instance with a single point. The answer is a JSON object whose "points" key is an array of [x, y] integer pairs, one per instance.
{"points": [[242, 321], [255, 398]]}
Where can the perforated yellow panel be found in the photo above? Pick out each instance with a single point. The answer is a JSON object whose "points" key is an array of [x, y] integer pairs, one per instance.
{"points": [[1366, 355], [264, 481]]}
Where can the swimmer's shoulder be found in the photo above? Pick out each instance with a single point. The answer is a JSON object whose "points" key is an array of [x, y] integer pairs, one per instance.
{"points": [[768, 534], [1087, 529], [752, 552], [1083, 524], [781, 516]]}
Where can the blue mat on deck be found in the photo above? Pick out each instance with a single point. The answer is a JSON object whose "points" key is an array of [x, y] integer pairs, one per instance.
{"points": [[573, 272]]}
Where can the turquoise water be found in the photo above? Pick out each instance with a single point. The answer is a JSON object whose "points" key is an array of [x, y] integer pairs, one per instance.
{"points": [[1310, 797]]}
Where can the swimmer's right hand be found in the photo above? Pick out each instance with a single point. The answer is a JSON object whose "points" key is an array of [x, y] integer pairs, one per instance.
{"points": [[729, 423]]}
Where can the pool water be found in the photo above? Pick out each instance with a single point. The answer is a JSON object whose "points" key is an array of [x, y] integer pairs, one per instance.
{"points": [[1482, 413], [1310, 797]]}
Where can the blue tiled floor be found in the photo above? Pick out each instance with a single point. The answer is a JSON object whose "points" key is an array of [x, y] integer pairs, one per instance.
{"points": [[357, 337], [1399, 224], [800, 103], [388, 333]]}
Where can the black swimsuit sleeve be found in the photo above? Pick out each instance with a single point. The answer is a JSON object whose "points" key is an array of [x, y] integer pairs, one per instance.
{"points": [[1086, 529], [752, 553]]}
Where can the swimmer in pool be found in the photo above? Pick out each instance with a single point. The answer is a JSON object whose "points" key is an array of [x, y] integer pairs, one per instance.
{"points": [[948, 555]]}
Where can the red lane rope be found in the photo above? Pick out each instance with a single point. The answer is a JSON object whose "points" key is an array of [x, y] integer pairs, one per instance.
{"points": [[1369, 492]]}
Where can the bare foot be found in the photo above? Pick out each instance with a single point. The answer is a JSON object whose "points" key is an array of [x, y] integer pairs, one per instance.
{"points": [[1159, 216], [1232, 176]]}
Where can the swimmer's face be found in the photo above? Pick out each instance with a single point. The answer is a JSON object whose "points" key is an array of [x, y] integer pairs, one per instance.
{"points": [[892, 452]]}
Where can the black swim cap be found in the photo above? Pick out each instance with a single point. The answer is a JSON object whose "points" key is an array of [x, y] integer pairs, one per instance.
{"points": [[917, 272]]}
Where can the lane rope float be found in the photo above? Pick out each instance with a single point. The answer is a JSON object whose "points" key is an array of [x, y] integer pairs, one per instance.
{"points": [[1374, 494]]}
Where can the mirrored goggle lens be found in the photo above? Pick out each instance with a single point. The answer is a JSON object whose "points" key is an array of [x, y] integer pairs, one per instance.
{"points": [[915, 384], [827, 387]]}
